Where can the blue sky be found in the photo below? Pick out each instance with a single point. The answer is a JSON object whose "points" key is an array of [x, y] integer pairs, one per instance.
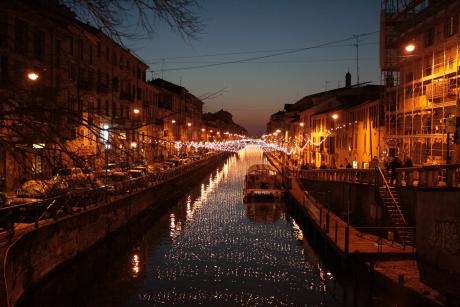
{"points": [[254, 90]]}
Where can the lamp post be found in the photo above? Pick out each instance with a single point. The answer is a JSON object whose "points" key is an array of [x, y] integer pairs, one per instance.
{"points": [[133, 147], [136, 112]]}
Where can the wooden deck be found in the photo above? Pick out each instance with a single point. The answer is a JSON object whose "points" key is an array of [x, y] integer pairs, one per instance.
{"points": [[365, 244]]}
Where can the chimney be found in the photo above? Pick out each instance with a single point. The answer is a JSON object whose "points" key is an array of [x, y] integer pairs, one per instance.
{"points": [[348, 80]]}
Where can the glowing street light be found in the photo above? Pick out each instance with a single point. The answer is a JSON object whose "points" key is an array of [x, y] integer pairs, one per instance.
{"points": [[302, 124], [203, 130], [409, 47], [133, 145], [173, 121], [189, 124], [33, 76], [136, 111], [335, 116], [278, 130]]}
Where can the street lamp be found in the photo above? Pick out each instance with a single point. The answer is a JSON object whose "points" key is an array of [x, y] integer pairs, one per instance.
{"points": [[189, 124], [278, 130], [173, 121], [410, 47], [301, 124], [136, 111], [133, 147], [33, 76]]}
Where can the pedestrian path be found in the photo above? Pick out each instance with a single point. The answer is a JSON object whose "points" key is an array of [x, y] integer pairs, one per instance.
{"points": [[358, 242]]}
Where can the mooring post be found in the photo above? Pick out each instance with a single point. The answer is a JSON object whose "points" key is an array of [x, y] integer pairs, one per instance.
{"points": [[321, 218], [336, 230], [347, 234]]}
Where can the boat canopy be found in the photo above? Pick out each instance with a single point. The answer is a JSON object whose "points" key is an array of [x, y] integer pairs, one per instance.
{"points": [[261, 168]]}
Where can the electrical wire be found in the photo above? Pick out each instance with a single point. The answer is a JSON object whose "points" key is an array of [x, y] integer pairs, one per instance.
{"points": [[291, 51], [160, 60]]}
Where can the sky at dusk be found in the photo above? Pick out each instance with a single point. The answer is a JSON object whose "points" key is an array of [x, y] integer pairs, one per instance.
{"points": [[256, 89]]}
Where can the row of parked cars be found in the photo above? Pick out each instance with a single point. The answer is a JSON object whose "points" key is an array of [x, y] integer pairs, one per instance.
{"points": [[77, 182]]}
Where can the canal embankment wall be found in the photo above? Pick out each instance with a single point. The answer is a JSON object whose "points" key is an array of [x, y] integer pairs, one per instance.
{"points": [[341, 197], [37, 253], [435, 212]]}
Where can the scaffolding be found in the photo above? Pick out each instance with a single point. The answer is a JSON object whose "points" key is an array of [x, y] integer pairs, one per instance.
{"points": [[420, 90]]}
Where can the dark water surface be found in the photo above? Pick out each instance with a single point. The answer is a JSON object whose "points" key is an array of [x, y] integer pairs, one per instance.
{"points": [[209, 249]]}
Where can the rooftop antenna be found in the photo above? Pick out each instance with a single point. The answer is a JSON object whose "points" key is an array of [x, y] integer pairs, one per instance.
{"points": [[356, 44], [326, 83], [162, 68]]}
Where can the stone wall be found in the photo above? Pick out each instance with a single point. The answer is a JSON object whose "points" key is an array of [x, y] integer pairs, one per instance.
{"points": [[341, 196], [39, 252], [438, 228]]}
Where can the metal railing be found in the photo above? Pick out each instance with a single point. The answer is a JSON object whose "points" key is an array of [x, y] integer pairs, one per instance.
{"points": [[365, 176], [429, 176], [80, 198], [388, 191]]}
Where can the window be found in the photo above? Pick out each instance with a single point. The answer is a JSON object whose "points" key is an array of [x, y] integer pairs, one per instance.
{"points": [[3, 69], [91, 54], [99, 106], [3, 29], [114, 109], [21, 32], [115, 84], [429, 37], [58, 52], [39, 44], [98, 50], [80, 48], [107, 54], [107, 108], [72, 72], [114, 58], [451, 26], [71, 47]]}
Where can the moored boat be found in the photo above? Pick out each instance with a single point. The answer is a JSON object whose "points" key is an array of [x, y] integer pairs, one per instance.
{"points": [[262, 181]]}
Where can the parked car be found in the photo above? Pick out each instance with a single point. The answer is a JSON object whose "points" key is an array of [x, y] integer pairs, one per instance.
{"points": [[5, 201], [142, 169], [116, 181], [6, 217], [175, 161], [140, 162], [89, 174], [135, 173], [73, 175], [123, 166], [42, 189]]}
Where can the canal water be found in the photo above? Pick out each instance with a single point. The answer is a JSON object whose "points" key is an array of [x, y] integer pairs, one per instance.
{"points": [[209, 249]]}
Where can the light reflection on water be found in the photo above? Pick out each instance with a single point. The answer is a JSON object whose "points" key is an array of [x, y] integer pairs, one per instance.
{"points": [[222, 251], [211, 249]]}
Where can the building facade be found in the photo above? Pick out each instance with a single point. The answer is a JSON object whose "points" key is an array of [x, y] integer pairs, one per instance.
{"points": [[419, 58], [72, 96], [332, 128]]}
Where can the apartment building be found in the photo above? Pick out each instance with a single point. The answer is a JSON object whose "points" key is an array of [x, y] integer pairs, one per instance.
{"points": [[419, 59], [314, 127], [70, 94]]}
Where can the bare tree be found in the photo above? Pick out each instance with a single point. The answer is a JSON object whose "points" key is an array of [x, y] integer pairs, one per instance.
{"points": [[113, 17]]}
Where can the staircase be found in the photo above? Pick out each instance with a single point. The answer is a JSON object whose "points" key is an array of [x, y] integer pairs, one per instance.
{"points": [[397, 213]]}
